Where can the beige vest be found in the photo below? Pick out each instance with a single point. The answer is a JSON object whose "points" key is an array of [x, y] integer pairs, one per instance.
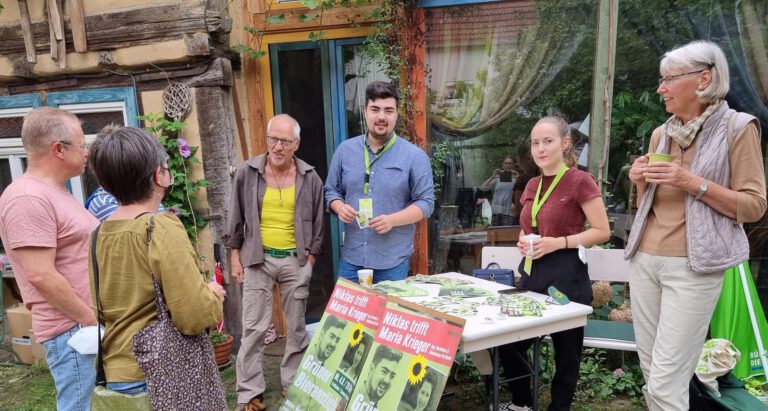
{"points": [[715, 242]]}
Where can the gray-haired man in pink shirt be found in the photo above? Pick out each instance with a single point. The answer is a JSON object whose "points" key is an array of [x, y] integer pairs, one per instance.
{"points": [[45, 234]]}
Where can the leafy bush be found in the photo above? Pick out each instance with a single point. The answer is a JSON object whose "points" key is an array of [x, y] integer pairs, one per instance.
{"points": [[599, 382]]}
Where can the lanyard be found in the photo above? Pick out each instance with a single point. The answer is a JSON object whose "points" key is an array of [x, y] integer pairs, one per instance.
{"points": [[537, 204], [369, 163]]}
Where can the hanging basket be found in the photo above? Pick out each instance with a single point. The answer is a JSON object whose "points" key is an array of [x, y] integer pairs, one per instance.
{"points": [[177, 100]]}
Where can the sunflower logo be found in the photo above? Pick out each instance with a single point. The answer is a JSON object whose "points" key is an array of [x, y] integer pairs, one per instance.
{"points": [[417, 369], [356, 335]]}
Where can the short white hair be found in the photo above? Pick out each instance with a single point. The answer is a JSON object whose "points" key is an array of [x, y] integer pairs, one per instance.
{"points": [[699, 55], [296, 127]]}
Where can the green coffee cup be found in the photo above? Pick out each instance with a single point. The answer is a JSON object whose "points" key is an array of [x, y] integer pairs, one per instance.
{"points": [[656, 157]]}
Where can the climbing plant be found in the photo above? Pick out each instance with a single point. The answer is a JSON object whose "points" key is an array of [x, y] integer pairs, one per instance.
{"points": [[181, 156]]}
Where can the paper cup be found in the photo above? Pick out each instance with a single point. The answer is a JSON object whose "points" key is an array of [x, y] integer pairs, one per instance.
{"points": [[365, 277], [530, 238], [656, 157]]}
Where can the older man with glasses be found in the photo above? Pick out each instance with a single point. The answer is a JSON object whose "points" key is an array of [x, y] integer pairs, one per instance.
{"points": [[274, 234], [45, 234]]}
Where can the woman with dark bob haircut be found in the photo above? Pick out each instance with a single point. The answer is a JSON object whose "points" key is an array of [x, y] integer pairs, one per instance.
{"points": [[133, 166], [691, 207]]}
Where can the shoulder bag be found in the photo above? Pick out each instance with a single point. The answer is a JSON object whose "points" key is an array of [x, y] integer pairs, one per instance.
{"points": [[180, 369]]}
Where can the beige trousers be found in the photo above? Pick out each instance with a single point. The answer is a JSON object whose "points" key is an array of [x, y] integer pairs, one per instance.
{"points": [[257, 315], [671, 309]]}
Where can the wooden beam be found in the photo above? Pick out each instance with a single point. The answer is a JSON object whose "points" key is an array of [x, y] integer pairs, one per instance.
{"points": [[77, 21], [199, 75], [119, 29], [332, 18], [54, 48], [61, 43], [602, 90], [417, 82], [239, 123], [26, 31], [217, 141]]}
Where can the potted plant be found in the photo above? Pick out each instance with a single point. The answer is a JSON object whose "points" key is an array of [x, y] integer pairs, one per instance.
{"points": [[222, 346]]}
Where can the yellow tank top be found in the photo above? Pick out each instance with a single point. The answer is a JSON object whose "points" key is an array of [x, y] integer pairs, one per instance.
{"points": [[277, 230]]}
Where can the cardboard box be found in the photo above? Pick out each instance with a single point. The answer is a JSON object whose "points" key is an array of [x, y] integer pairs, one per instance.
{"points": [[23, 339], [19, 321], [23, 348]]}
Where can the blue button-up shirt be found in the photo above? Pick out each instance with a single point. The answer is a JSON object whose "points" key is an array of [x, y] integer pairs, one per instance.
{"points": [[400, 177]]}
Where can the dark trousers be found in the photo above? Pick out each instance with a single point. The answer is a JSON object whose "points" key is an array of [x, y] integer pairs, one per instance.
{"points": [[514, 359], [564, 270]]}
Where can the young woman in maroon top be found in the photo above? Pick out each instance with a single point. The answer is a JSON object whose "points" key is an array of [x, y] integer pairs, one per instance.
{"points": [[560, 217]]}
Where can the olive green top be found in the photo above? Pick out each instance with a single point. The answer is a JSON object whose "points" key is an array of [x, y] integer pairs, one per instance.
{"points": [[126, 290]]}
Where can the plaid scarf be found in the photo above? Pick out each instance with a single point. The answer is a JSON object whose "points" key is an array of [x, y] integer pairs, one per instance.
{"points": [[683, 134]]}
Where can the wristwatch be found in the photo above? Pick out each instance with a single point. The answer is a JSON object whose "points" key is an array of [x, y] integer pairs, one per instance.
{"points": [[702, 189]]}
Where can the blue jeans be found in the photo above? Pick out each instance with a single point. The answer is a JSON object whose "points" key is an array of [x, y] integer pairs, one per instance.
{"points": [[398, 272], [74, 374], [128, 387]]}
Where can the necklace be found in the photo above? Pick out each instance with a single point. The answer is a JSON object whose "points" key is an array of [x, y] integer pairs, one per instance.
{"points": [[280, 184]]}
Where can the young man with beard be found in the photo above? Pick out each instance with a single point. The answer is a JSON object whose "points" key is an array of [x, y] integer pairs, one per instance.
{"points": [[274, 233], [387, 179], [328, 338], [380, 377]]}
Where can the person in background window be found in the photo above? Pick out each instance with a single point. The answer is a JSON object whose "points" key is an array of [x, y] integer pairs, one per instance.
{"points": [[688, 226], [527, 172], [502, 182], [45, 233], [555, 206]]}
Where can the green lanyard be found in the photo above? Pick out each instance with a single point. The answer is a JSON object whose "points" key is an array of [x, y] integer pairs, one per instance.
{"points": [[369, 163], [537, 204]]}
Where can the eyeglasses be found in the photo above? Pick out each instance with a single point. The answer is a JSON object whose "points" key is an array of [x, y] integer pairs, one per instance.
{"points": [[671, 79], [83, 146], [284, 141]]}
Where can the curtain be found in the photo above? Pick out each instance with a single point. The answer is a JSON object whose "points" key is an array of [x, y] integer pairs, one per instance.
{"points": [[481, 82]]}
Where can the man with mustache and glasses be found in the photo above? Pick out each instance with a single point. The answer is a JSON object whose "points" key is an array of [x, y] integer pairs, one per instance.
{"points": [[274, 233], [379, 185]]}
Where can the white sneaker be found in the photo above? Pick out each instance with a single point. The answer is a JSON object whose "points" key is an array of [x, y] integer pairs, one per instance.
{"points": [[509, 406]]}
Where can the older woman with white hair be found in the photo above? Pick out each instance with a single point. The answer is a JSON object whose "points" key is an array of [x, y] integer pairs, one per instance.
{"points": [[688, 227]]}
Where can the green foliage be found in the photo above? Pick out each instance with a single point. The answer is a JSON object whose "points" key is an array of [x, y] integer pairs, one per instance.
{"points": [[440, 152], [598, 382], [217, 337], [183, 194], [249, 52], [277, 19], [464, 370], [635, 115]]}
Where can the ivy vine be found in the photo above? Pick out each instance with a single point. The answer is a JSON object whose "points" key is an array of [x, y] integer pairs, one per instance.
{"points": [[384, 45]]}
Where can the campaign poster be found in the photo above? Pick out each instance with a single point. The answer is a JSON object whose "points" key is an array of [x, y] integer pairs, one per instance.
{"points": [[410, 360], [335, 357]]}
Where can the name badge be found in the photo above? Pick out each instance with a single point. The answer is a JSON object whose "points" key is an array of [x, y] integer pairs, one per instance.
{"points": [[366, 207]]}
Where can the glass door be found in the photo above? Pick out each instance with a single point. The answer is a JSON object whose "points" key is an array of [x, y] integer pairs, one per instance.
{"points": [[322, 85]]}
